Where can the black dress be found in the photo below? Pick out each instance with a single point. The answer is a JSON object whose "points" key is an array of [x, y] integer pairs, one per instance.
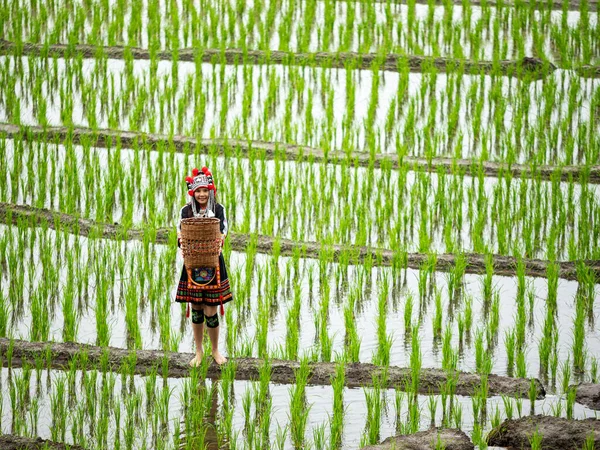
{"points": [[212, 294]]}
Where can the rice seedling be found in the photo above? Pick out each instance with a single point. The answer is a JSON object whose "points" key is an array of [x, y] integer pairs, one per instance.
{"points": [[298, 408], [304, 104], [536, 440], [374, 406]]}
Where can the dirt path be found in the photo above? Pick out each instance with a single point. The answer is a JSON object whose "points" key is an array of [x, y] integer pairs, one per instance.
{"points": [[289, 152], [532, 68], [556, 433], [357, 374], [12, 442], [503, 265]]}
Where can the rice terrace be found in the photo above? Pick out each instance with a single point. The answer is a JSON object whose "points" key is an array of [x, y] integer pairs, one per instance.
{"points": [[300, 224]]}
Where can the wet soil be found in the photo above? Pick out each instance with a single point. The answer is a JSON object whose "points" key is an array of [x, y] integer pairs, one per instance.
{"points": [[556, 433], [588, 394], [183, 144], [451, 439], [176, 365], [530, 68], [11, 442], [503, 265]]}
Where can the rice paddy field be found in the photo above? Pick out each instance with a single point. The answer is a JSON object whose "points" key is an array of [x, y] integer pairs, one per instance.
{"points": [[344, 252]]}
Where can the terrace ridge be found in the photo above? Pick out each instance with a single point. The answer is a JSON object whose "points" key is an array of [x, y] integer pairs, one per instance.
{"points": [[529, 67], [142, 362], [475, 263], [104, 138]]}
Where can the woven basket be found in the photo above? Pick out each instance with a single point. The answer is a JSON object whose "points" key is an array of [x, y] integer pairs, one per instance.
{"points": [[201, 242]]}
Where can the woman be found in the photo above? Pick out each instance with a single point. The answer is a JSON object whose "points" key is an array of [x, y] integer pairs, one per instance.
{"points": [[203, 203]]}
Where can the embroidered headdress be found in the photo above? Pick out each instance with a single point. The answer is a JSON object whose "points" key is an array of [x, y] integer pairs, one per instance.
{"points": [[202, 179]]}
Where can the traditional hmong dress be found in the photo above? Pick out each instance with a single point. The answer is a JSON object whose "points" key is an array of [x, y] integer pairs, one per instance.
{"points": [[211, 296]]}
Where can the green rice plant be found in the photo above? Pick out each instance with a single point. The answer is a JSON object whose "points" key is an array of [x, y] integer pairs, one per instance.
{"points": [[493, 320], [437, 319], [415, 360], [571, 397], [589, 443], [468, 312], [519, 404], [408, 307], [352, 340], [552, 273], [535, 440], [59, 410], [449, 356], [509, 343], [477, 435], [557, 409], [432, 402], [496, 419], [319, 437], [298, 408], [566, 375], [382, 357], [281, 437], [479, 351], [579, 353], [337, 421], [508, 406], [533, 391], [456, 274], [521, 364], [373, 400], [457, 416]]}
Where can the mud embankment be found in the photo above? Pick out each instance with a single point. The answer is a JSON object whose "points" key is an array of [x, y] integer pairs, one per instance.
{"points": [[434, 438], [503, 265], [528, 67], [127, 139], [588, 394], [321, 373], [554, 433], [12, 442]]}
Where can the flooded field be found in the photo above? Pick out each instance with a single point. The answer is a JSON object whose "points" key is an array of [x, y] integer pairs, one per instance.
{"points": [[410, 247]]}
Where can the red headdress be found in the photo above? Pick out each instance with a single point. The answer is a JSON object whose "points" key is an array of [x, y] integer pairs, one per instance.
{"points": [[200, 179]]}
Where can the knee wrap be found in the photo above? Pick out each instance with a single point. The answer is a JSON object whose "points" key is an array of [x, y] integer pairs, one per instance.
{"points": [[197, 316], [212, 321]]}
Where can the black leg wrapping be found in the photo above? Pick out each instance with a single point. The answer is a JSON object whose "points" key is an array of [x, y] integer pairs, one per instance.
{"points": [[212, 321], [197, 315]]}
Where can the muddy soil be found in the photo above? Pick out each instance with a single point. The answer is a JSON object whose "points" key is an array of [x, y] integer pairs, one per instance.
{"points": [[175, 365], [556, 433], [298, 153], [451, 439], [503, 265], [11, 442], [531, 68], [588, 394]]}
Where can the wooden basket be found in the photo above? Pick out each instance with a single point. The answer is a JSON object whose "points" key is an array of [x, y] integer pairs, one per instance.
{"points": [[201, 242]]}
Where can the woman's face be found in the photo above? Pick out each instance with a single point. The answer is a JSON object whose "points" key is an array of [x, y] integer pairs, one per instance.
{"points": [[201, 195]]}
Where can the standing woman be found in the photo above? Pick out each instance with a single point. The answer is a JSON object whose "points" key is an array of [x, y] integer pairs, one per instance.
{"points": [[203, 203]]}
